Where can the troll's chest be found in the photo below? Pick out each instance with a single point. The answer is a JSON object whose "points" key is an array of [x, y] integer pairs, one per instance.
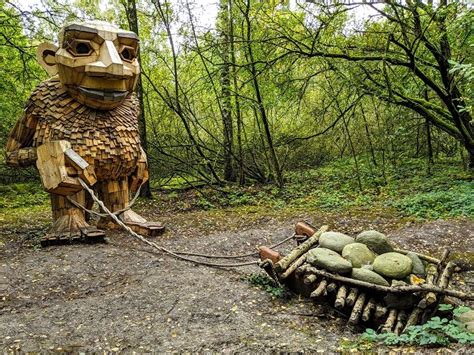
{"points": [[108, 140]]}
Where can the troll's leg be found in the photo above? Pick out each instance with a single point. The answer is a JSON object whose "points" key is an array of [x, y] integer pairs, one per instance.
{"points": [[116, 196], [68, 220]]}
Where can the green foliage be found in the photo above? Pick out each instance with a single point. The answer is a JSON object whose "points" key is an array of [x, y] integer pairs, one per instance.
{"points": [[22, 195], [264, 282], [436, 332], [455, 200], [406, 190], [19, 70]]}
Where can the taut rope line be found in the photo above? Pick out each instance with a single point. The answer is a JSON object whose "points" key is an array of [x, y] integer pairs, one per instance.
{"points": [[176, 254]]}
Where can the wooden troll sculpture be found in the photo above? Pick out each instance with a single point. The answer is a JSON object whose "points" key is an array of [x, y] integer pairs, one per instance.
{"points": [[83, 123]]}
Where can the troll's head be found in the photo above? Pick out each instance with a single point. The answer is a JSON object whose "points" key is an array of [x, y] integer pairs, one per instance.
{"points": [[96, 62]]}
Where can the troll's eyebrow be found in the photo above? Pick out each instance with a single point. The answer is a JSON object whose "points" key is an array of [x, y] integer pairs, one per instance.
{"points": [[131, 35], [81, 28]]}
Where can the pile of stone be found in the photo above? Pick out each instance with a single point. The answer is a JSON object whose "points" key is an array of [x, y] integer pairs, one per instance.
{"points": [[364, 276], [369, 257]]}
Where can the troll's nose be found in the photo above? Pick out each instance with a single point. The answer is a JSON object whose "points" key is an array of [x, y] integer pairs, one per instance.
{"points": [[108, 63]]}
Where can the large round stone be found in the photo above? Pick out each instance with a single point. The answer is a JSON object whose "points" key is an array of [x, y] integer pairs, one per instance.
{"points": [[393, 265], [376, 241], [368, 276], [329, 260], [470, 326], [418, 267], [358, 254], [465, 317], [335, 241]]}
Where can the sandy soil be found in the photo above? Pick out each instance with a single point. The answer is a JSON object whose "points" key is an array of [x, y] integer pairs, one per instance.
{"points": [[121, 296]]}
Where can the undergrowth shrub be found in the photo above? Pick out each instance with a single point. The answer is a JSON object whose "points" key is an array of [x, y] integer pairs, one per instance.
{"points": [[436, 332], [22, 195], [455, 200], [265, 283]]}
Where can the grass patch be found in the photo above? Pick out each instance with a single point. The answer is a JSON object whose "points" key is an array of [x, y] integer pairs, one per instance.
{"points": [[24, 204]]}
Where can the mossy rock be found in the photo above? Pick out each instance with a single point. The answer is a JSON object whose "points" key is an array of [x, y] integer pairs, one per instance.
{"points": [[418, 267], [335, 241], [376, 241], [328, 259], [358, 254], [368, 276], [469, 326], [465, 317], [393, 265]]}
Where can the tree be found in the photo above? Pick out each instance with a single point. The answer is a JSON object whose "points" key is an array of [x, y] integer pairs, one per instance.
{"points": [[223, 26], [413, 47], [130, 7]]}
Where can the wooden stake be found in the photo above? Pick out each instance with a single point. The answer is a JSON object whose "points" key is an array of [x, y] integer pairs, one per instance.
{"points": [[301, 249], [430, 297], [392, 317], [445, 277], [302, 269], [443, 259], [341, 297], [401, 317], [293, 267], [380, 311], [351, 298], [413, 318], [369, 307], [304, 228], [443, 283], [320, 290], [357, 310], [309, 279], [332, 287]]}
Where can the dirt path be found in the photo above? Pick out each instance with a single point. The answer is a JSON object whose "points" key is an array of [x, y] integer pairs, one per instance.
{"points": [[119, 296]]}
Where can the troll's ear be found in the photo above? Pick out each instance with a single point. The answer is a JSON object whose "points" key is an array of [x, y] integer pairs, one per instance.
{"points": [[45, 55]]}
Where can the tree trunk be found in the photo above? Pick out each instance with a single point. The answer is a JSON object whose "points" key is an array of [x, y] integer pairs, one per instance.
{"points": [[131, 11], [238, 112], [228, 129], [261, 107], [429, 146]]}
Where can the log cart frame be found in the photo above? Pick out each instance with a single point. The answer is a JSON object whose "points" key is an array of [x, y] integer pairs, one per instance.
{"points": [[388, 309]]}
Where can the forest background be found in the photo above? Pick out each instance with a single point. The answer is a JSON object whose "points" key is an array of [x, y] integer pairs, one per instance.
{"points": [[278, 104]]}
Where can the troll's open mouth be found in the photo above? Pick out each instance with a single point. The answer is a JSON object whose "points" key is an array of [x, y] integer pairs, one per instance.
{"points": [[103, 95]]}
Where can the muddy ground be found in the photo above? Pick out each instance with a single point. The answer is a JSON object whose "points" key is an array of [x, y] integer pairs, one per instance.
{"points": [[121, 296]]}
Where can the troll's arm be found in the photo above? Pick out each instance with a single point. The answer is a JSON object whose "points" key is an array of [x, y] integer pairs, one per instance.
{"points": [[19, 149]]}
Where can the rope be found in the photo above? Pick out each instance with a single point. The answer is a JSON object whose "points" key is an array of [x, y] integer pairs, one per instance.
{"points": [[98, 214], [156, 246], [238, 256]]}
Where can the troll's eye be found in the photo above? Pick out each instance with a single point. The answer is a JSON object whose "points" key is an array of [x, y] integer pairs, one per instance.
{"points": [[83, 48], [128, 53], [80, 48]]}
